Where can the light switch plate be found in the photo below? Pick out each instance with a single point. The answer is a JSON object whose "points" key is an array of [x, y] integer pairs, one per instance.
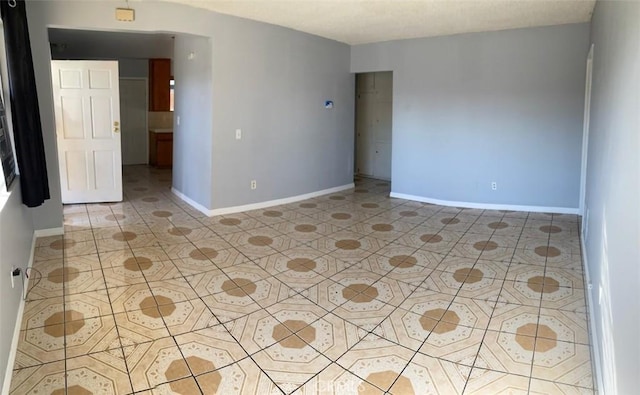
{"points": [[238, 134]]}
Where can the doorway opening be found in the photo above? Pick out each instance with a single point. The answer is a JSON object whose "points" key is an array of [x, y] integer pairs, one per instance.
{"points": [[139, 121], [373, 131]]}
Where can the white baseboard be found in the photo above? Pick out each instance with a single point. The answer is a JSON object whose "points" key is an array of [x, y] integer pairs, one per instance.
{"points": [[257, 206], [593, 333], [48, 232], [13, 351], [190, 201], [487, 206]]}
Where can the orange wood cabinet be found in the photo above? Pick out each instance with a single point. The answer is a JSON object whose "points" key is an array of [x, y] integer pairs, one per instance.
{"points": [[160, 149], [159, 79]]}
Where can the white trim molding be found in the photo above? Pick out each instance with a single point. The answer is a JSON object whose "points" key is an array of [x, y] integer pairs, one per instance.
{"points": [[191, 202], [487, 206], [260, 205], [585, 130], [48, 232], [593, 329]]}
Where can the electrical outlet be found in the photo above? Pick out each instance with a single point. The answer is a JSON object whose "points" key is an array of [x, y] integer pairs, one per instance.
{"points": [[494, 185], [15, 272], [254, 184]]}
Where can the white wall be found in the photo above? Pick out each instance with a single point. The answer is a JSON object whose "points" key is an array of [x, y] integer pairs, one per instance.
{"points": [[612, 225], [474, 108], [267, 80]]}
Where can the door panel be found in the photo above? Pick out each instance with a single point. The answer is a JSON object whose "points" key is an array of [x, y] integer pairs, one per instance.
{"points": [[101, 117], [70, 79], [365, 133], [100, 79], [382, 123], [87, 112], [384, 86], [104, 165], [76, 170], [383, 161], [366, 82], [72, 117]]}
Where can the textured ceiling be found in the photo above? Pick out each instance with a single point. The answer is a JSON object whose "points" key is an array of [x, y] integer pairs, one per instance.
{"points": [[365, 21]]}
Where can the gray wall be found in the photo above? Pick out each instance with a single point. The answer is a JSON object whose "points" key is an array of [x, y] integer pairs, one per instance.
{"points": [[272, 83], [267, 80], [475, 108], [613, 191], [16, 234], [192, 138], [133, 68]]}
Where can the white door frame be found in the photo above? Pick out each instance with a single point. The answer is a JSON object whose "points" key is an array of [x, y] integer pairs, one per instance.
{"points": [[585, 133], [146, 118]]}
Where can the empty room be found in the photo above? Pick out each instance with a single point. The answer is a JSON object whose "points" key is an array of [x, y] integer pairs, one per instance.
{"points": [[320, 197]]}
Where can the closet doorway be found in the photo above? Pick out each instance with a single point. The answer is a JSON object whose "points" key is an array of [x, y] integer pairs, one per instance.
{"points": [[374, 96]]}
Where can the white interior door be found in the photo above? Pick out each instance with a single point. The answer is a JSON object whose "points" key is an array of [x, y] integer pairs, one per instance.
{"points": [[133, 116], [87, 111]]}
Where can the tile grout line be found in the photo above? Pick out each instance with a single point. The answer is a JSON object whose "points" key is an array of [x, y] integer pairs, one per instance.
{"points": [[365, 220], [482, 341]]}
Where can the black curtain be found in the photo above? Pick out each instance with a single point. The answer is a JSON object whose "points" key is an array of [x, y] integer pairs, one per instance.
{"points": [[27, 130]]}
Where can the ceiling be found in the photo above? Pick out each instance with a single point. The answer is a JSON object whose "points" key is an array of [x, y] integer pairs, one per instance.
{"points": [[366, 21]]}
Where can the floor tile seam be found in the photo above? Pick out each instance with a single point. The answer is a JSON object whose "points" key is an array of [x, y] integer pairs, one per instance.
{"points": [[528, 378], [492, 313], [445, 257], [64, 301], [184, 359], [113, 314], [535, 340], [440, 359], [151, 389], [593, 390], [249, 356], [368, 382], [318, 257], [184, 278]]}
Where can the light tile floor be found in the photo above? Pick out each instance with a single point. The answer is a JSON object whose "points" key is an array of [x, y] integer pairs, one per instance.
{"points": [[353, 292]]}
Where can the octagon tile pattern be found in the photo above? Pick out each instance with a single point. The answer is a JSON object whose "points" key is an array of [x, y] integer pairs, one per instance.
{"points": [[348, 293]]}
